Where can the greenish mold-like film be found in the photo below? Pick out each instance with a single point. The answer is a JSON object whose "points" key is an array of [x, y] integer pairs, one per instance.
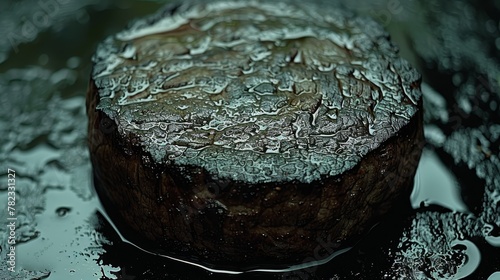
{"points": [[256, 92]]}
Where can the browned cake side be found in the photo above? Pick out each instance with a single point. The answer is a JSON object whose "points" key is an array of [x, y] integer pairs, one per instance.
{"points": [[243, 132]]}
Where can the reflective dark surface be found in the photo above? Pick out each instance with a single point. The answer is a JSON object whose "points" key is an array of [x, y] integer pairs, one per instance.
{"points": [[449, 229]]}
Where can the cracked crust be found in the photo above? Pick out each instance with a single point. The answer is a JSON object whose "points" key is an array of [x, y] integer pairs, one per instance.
{"points": [[268, 89], [247, 141]]}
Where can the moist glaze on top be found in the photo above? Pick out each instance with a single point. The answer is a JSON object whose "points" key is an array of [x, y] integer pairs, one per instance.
{"points": [[254, 91]]}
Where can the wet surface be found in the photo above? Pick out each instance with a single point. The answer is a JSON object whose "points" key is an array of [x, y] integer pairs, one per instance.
{"points": [[449, 230]]}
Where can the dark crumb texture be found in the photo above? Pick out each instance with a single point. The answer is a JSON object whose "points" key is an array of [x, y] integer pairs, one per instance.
{"points": [[242, 132]]}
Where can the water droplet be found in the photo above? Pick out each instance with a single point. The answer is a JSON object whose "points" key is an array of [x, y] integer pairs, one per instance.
{"points": [[494, 276], [472, 261], [492, 235], [264, 88], [73, 62], [43, 59], [63, 211]]}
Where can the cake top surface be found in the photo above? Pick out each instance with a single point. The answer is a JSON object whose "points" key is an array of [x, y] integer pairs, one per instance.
{"points": [[256, 91]]}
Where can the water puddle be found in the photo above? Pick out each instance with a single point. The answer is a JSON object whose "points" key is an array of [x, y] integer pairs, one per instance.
{"points": [[436, 185]]}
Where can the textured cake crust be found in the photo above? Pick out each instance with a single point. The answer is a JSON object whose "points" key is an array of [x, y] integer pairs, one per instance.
{"points": [[265, 202]]}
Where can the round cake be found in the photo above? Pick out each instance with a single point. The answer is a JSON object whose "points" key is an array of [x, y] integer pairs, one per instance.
{"points": [[246, 133]]}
